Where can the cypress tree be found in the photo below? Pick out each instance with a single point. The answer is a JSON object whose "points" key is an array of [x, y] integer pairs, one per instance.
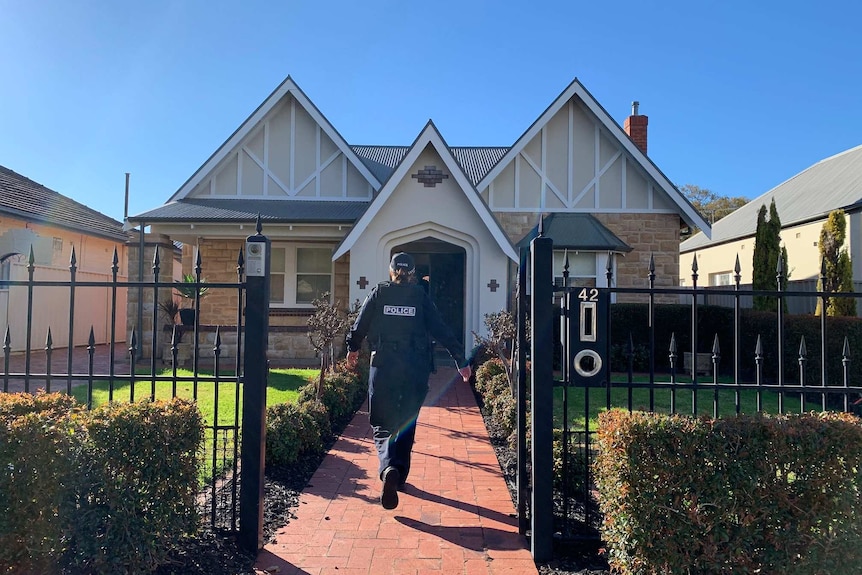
{"points": [[837, 267], [767, 251]]}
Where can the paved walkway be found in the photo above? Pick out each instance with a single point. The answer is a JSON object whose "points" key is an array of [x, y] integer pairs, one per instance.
{"points": [[455, 516]]}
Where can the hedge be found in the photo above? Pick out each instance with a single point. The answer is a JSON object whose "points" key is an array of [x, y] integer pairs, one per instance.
{"points": [[302, 427], [748, 494], [107, 490]]}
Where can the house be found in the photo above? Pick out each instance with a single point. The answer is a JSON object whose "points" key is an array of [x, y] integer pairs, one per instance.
{"points": [[335, 211], [803, 202], [33, 217]]}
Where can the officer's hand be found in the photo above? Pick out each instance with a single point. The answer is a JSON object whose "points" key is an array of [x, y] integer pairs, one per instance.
{"points": [[466, 372], [352, 358]]}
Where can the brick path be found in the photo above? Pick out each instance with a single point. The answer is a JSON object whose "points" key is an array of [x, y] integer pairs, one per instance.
{"points": [[455, 517], [59, 365]]}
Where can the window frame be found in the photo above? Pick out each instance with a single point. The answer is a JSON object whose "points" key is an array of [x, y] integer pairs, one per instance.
{"points": [[291, 273]]}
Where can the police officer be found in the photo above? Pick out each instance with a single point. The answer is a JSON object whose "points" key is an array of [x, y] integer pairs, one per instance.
{"points": [[397, 317]]}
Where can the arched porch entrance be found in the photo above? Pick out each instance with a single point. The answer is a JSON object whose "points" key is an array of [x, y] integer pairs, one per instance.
{"points": [[441, 267]]}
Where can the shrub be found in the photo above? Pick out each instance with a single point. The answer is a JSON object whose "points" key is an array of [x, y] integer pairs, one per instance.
{"points": [[486, 371], [747, 494], [282, 433], [504, 413], [108, 490], [138, 484], [295, 428], [13, 405], [37, 464]]}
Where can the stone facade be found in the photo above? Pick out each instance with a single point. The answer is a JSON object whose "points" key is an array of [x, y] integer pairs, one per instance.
{"points": [[288, 335], [647, 234], [141, 302]]}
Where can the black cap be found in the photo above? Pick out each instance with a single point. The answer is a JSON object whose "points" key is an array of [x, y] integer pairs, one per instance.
{"points": [[402, 261]]}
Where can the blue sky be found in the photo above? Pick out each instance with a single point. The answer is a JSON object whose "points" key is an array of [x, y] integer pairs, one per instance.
{"points": [[741, 95]]}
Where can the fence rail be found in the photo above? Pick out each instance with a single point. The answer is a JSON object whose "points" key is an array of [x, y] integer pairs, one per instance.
{"points": [[604, 359], [113, 368]]}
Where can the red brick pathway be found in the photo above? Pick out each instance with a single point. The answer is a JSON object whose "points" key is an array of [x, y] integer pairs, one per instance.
{"points": [[455, 517]]}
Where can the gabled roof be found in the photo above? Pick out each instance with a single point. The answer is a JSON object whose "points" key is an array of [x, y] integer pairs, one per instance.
{"points": [[429, 135], [576, 231], [687, 211], [287, 86], [476, 161], [25, 199], [232, 211], [830, 184]]}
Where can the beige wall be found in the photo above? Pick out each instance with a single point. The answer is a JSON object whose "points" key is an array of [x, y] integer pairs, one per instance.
{"points": [[803, 256], [50, 307]]}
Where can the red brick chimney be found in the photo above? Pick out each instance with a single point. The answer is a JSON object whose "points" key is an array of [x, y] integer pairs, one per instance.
{"points": [[636, 127]]}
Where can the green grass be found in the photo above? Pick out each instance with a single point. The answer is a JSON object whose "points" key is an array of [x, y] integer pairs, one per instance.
{"points": [[283, 387], [662, 402]]}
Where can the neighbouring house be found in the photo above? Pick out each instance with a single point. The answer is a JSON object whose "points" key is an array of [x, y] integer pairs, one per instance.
{"points": [[336, 212], [803, 202], [35, 219]]}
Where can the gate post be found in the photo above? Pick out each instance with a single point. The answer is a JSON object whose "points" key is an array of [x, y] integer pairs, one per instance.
{"points": [[257, 257], [542, 391]]}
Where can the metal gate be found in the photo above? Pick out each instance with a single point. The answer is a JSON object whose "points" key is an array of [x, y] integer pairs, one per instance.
{"points": [[588, 352], [231, 457]]}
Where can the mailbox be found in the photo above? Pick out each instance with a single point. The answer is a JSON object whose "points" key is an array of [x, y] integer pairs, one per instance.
{"points": [[588, 337]]}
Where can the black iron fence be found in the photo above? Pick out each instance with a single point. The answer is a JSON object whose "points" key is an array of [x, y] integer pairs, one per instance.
{"points": [[590, 352], [231, 458]]}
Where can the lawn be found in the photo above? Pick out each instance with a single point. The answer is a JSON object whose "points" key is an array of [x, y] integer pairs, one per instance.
{"points": [[640, 401], [283, 387]]}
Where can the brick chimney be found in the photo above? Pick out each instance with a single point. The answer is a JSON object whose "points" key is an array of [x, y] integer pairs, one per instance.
{"points": [[636, 127]]}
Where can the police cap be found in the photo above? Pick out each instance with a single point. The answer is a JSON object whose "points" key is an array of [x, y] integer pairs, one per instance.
{"points": [[402, 261]]}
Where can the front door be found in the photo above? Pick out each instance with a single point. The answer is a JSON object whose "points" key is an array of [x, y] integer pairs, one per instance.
{"points": [[441, 268]]}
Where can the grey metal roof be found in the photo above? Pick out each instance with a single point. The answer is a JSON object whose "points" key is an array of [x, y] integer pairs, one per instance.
{"points": [[475, 161], [381, 160], [23, 198], [576, 232], [239, 210], [830, 184]]}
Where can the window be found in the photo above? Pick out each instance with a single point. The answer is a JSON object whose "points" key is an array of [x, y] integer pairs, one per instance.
{"points": [[299, 274], [721, 279], [582, 268]]}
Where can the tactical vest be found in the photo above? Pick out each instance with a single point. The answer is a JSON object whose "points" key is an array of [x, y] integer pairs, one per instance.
{"points": [[399, 321]]}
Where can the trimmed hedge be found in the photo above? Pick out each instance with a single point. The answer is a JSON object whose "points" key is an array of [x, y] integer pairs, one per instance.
{"points": [[302, 427], [749, 494], [108, 491], [138, 495]]}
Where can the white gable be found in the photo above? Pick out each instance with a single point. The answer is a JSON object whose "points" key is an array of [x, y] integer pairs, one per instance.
{"points": [[575, 158], [428, 207], [286, 149]]}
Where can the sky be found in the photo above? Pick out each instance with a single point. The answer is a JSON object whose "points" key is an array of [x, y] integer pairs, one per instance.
{"points": [[740, 95]]}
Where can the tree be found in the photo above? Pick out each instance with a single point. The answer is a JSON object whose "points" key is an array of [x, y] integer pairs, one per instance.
{"points": [[767, 252], [837, 267], [710, 205], [502, 331], [325, 324]]}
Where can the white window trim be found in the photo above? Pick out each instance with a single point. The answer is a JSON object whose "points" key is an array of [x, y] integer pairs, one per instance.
{"points": [[290, 273]]}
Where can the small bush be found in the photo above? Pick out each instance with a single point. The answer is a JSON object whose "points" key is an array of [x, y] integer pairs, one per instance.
{"points": [[14, 405], [282, 434], [504, 413], [139, 484], [747, 494], [108, 491], [486, 371], [37, 464]]}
